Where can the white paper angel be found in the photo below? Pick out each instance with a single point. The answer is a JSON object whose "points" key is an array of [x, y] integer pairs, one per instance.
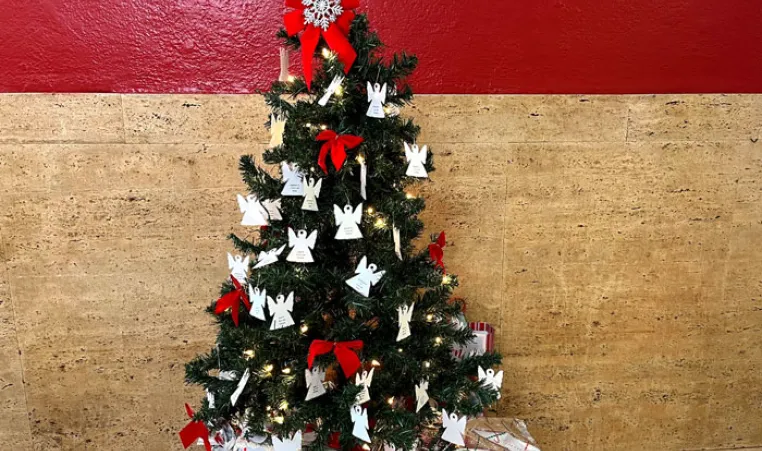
{"points": [[348, 222], [454, 428], [314, 379], [239, 267], [254, 214], [273, 207], [331, 90], [366, 276], [491, 379], [241, 385], [311, 194], [377, 98], [280, 309], [227, 376], [268, 257], [416, 159], [397, 241], [364, 380], [404, 316], [301, 244], [210, 398], [277, 127], [360, 419], [421, 395], [292, 177], [257, 299], [286, 444]]}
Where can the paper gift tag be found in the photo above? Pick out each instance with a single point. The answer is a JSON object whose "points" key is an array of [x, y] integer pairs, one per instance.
{"points": [[273, 207], [360, 419], [416, 159], [377, 98], [241, 385], [254, 214], [348, 222], [239, 267], [301, 244], [280, 309], [257, 299], [491, 379], [404, 316], [365, 379], [292, 444], [314, 379], [421, 395], [397, 242], [292, 177], [366, 276], [454, 428], [268, 257], [277, 127], [311, 194], [331, 90]]}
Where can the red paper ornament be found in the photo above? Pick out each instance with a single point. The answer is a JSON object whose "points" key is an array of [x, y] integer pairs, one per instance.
{"points": [[193, 431], [233, 301], [335, 144], [436, 251]]}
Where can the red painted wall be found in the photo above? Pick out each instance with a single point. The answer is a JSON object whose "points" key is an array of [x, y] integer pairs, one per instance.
{"points": [[467, 46]]}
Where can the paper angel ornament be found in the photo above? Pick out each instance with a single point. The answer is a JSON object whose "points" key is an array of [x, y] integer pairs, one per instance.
{"points": [[268, 257], [277, 127], [311, 194], [454, 428], [364, 380], [280, 309], [273, 207], [257, 299], [239, 267], [227, 376], [397, 242], [335, 83], [421, 395], [416, 160], [491, 379], [360, 419], [348, 222], [314, 378], [301, 244], [366, 276], [377, 98], [241, 385], [210, 398], [292, 177], [254, 214], [404, 316], [292, 444]]}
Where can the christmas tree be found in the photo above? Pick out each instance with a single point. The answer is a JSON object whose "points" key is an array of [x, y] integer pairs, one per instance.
{"points": [[337, 319]]}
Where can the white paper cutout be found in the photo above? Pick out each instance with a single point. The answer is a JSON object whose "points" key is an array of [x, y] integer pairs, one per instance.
{"points": [[348, 222], [331, 90], [454, 428], [210, 398], [377, 98], [241, 385], [363, 179], [366, 276], [292, 444], [397, 241], [364, 380], [268, 257], [254, 214], [273, 207], [229, 376], [283, 76], [277, 127], [258, 299], [390, 447], [280, 309], [404, 316], [491, 379], [301, 244], [421, 395], [239, 267], [416, 159], [314, 380], [311, 194], [292, 177], [360, 419]]}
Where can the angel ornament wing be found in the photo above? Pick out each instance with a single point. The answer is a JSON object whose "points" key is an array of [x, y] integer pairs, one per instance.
{"points": [[491, 379], [366, 276], [280, 309], [421, 395], [268, 257], [301, 244], [257, 299], [404, 316], [277, 127], [311, 194], [364, 380], [314, 379], [273, 207], [286, 444], [332, 88], [360, 419], [239, 267], [454, 428], [292, 177], [416, 159], [254, 214], [377, 98], [348, 222]]}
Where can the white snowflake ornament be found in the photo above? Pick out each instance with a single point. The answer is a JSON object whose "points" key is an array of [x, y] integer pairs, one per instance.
{"points": [[269, 257], [491, 379], [364, 380], [254, 214], [360, 419], [280, 309], [366, 276], [348, 222], [421, 395], [322, 13], [258, 300], [273, 207], [377, 98], [301, 244], [331, 90], [416, 159], [292, 177], [454, 428], [314, 379], [286, 444], [239, 267], [277, 127], [404, 316], [311, 194]]}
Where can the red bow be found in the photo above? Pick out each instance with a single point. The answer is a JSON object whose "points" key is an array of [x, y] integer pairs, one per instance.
{"points": [[337, 145], [436, 251], [344, 350], [193, 431], [232, 300], [335, 34]]}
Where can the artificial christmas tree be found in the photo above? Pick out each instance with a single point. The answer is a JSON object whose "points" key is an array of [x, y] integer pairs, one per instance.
{"points": [[353, 346]]}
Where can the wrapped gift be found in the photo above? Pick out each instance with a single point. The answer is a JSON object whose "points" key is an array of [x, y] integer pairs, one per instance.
{"points": [[483, 342], [499, 434]]}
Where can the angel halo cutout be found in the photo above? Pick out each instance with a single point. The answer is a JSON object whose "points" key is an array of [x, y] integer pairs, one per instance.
{"points": [[301, 244], [366, 276]]}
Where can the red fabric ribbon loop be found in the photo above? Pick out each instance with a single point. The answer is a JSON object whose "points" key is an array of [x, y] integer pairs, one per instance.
{"points": [[337, 145], [345, 352], [436, 251], [193, 431], [233, 301]]}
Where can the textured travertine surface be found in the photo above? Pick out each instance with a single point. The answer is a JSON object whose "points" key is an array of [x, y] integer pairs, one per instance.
{"points": [[615, 242]]}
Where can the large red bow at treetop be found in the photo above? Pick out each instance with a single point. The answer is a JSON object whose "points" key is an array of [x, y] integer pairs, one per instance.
{"points": [[344, 351], [332, 19], [193, 431], [233, 301], [337, 145], [436, 251]]}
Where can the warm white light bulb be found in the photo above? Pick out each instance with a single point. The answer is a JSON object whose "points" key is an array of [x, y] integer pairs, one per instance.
{"points": [[269, 367], [427, 364], [326, 53], [430, 317], [409, 196], [286, 370], [438, 340], [375, 363], [370, 210], [446, 279], [291, 78], [339, 91], [304, 328], [380, 223], [249, 353], [390, 401]]}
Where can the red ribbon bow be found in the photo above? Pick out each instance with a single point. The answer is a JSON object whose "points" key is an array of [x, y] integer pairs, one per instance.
{"points": [[344, 351], [436, 251], [193, 431], [232, 300], [335, 144], [335, 34]]}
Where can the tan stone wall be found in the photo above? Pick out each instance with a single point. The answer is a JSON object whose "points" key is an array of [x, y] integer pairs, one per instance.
{"points": [[615, 242]]}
